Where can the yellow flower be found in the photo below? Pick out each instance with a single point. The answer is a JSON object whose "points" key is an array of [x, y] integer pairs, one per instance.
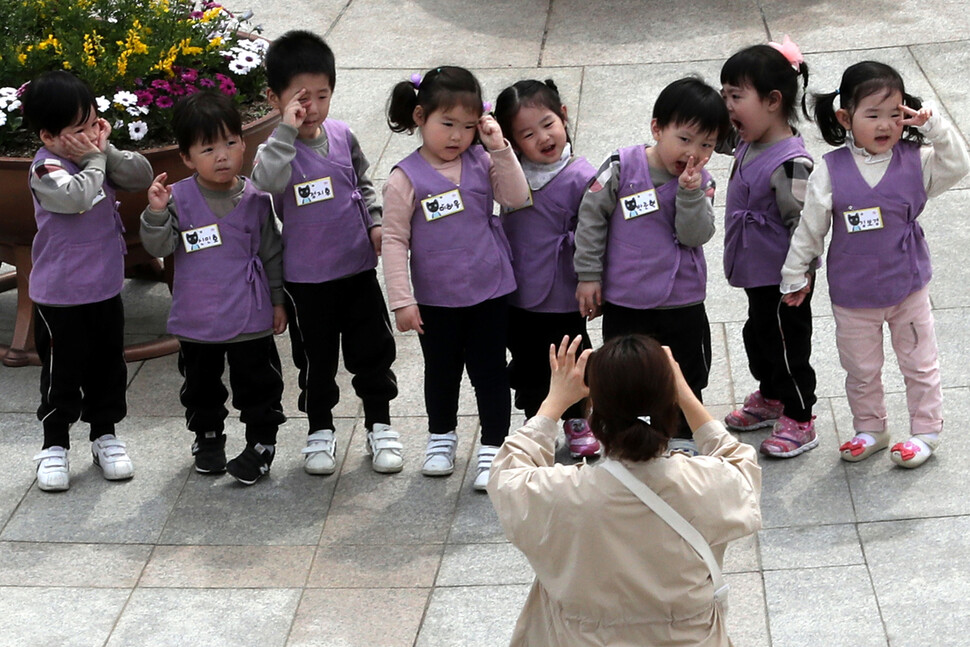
{"points": [[210, 14], [92, 48], [50, 41], [215, 43]]}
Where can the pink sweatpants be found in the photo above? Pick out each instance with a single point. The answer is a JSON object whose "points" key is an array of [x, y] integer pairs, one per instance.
{"points": [[858, 334]]}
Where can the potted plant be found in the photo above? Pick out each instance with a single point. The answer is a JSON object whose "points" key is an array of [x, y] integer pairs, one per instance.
{"points": [[139, 57]]}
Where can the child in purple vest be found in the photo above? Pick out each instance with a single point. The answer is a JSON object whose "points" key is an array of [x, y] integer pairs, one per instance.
{"points": [[641, 227], [227, 295], [77, 275], [438, 218], [542, 310], [870, 193], [760, 85], [317, 174]]}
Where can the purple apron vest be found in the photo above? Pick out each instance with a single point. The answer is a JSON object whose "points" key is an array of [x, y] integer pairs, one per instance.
{"points": [[462, 259], [329, 239], [77, 257], [755, 238], [542, 240], [645, 266], [877, 268], [220, 292]]}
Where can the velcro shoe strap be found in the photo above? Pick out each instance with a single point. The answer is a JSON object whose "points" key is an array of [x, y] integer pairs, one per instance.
{"points": [[444, 446], [386, 439], [53, 458]]}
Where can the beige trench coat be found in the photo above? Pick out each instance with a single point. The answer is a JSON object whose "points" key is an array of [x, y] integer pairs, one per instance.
{"points": [[608, 570]]}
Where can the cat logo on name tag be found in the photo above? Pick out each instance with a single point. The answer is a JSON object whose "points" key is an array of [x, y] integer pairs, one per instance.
{"points": [[313, 191], [639, 204], [863, 219], [201, 238], [441, 205], [98, 198]]}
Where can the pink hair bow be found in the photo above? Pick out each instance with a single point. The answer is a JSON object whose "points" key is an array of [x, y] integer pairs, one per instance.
{"points": [[790, 51], [486, 106]]}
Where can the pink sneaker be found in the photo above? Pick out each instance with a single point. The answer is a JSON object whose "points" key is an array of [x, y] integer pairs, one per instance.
{"points": [[580, 437], [756, 413], [789, 438]]}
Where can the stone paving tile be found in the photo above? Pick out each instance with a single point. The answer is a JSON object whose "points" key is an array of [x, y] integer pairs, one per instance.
{"points": [[96, 510], [898, 23], [511, 35], [810, 546], [747, 617], [943, 64], [639, 32], [286, 507], [809, 489], [240, 617], [945, 223], [354, 617], [72, 565], [483, 564], [472, 615], [823, 606], [475, 520], [20, 440], [375, 566], [21, 391], [58, 616], [883, 491], [951, 331], [919, 571], [405, 508], [227, 567], [276, 19]]}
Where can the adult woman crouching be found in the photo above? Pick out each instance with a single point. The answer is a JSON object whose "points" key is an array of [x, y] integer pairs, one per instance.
{"points": [[609, 570]]}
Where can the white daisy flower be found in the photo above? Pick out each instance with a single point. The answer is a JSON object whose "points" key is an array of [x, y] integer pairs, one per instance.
{"points": [[125, 98], [8, 92], [239, 67], [137, 130], [13, 105], [3, 118], [118, 125], [137, 111], [103, 104]]}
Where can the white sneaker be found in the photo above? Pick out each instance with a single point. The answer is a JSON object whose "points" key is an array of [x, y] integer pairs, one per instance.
{"points": [[485, 455], [320, 450], [439, 457], [110, 455], [53, 472], [384, 446]]}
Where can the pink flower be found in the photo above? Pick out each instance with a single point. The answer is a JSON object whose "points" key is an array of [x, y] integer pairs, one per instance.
{"points": [[195, 15], [228, 87], [161, 84], [190, 89], [207, 83], [177, 89], [164, 102], [189, 74], [145, 97]]}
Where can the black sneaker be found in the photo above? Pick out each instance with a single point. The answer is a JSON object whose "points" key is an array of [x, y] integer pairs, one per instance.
{"points": [[209, 450], [253, 463]]}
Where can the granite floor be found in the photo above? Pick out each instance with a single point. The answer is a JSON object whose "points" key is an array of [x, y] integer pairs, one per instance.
{"points": [[850, 554]]}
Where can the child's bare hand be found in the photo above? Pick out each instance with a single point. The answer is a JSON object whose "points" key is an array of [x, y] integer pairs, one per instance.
{"points": [[691, 178], [915, 117], [376, 236], [491, 133], [104, 131], [589, 294], [279, 319], [409, 318], [77, 146], [159, 193], [294, 112]]}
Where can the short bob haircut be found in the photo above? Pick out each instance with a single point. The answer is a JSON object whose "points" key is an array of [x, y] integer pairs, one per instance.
{"points": [[691, 102], [204, 117], [55, 101], [298, 52], [630, 378]]}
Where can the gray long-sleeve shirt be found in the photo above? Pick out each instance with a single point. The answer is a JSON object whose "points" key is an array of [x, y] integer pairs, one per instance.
{"points": [[160, 235], [272, 171], [693, 219], [58, 191]]}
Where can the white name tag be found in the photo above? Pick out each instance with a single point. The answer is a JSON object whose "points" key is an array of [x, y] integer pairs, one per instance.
{"points": [[313, 191], [201, 238], [863, 219], [441, 205], [639, 204]]}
